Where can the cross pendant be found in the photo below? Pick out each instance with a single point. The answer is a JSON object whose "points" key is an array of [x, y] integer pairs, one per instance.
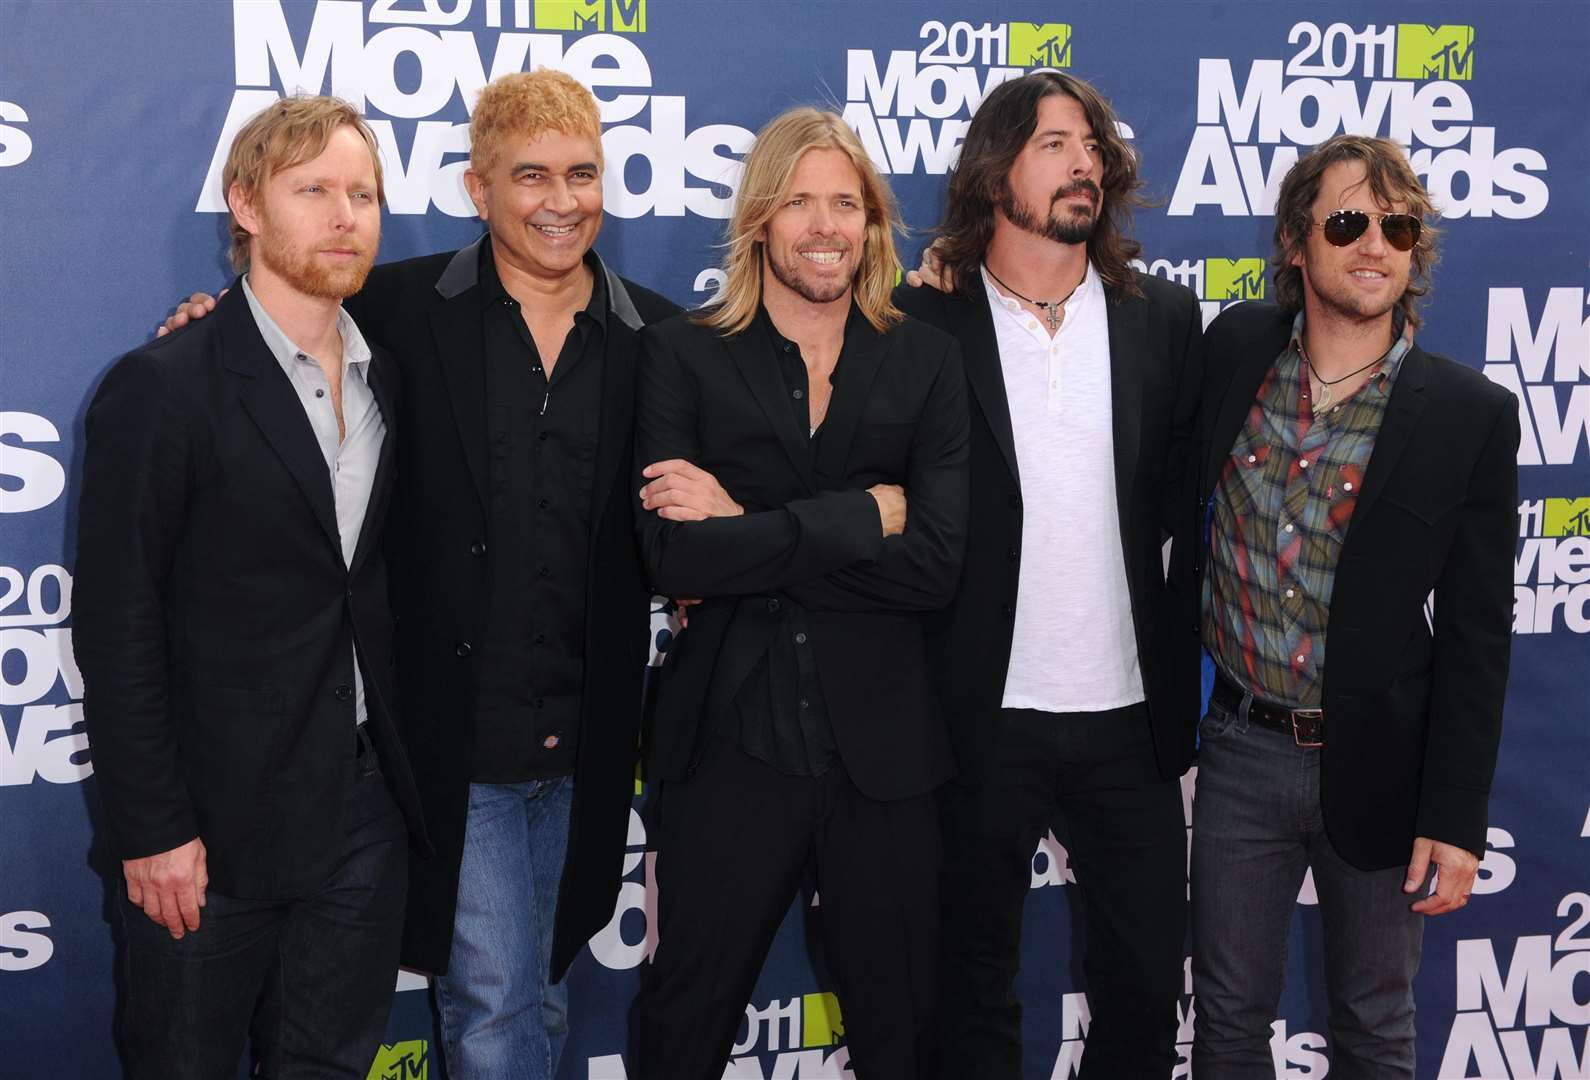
{"points": [[1052, 310]]}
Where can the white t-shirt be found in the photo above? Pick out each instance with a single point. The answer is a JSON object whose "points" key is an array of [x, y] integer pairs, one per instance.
{"points": [[1073, 649]]}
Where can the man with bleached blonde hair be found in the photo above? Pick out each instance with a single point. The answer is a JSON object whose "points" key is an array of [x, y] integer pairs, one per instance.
{"points": [[523, 609], [805, 452], [235, 637]]}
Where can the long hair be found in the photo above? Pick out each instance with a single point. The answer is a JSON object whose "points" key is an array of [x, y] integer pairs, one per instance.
{"points": [[768, 169], [981, 178], [1391, 180], [283, 134]]}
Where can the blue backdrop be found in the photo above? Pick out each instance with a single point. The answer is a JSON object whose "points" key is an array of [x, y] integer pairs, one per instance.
{"points": [[114, 120]]}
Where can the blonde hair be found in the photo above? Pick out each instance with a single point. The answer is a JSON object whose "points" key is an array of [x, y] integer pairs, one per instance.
{"points": [[768, 169], [528, 104], [283, 134]]}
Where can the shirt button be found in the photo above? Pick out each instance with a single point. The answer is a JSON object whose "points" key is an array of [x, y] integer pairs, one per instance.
{"points": [[805, 704], [478, 548], [1302, 463], [1300, 658], [542, 436], [462, 648], [1347, 486], [1288, 526], [342, 693], [550, 742], [1054, 384], [539, 702], [541, 639], [799, 394], [1290, 593], [320, 393], [543, 504], [546, 571], [1252, 458], [1012, 554], [800, 639], [773, 604]]}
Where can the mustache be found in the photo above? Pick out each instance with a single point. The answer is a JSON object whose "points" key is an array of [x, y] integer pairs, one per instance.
{"points": [[1078, 187]]}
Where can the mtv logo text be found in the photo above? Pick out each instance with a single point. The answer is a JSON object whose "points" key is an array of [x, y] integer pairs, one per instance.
{"points": [[1551, 572], [911, 107], [1407, 82], [1527, 1019], [410, 1060], [1538, 346], [1218, 282], [356, 54]]}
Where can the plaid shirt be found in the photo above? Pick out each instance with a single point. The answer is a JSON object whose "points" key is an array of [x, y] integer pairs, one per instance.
{"points": [[1280, 512]]}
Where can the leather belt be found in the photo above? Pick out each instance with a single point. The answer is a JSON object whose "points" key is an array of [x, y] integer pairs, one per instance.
{"points": [[1306, 726]]}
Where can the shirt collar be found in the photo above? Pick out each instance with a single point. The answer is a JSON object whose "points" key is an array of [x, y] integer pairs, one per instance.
{"points": [[1390, 362], [493, 292], [853, 324], [355, 350]]}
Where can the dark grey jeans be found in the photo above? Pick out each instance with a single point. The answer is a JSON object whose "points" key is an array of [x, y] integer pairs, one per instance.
{"points": [[1257, 828], [310, 978]]}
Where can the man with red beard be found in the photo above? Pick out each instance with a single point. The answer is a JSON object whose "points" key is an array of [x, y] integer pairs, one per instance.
{"points": [[235, 640]]}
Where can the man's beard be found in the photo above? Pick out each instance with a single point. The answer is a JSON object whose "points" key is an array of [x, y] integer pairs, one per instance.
{"points": [[789, 273], [1072, 229], [301, 270]]}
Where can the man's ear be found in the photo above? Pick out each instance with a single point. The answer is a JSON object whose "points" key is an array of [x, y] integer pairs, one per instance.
{"points": [[242, 207], [476, 187]]}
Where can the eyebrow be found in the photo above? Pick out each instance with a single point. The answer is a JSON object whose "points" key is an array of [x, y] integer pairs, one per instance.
{"points": [[1087, 134], [535, 166], [813, 194]]}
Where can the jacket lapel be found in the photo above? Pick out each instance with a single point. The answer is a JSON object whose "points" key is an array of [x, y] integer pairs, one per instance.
{"points": [[271, 402], [862, 357], [617, 421], [459, 347], [1396, 428], [382, 386], [980, 353], [752, 353], [1125, 322]]}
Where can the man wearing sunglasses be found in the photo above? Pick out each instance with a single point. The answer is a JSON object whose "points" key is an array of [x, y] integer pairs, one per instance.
{"points": [[1347, 475]]}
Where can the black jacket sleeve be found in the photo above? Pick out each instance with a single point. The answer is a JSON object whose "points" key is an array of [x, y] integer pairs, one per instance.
{"points": [[136, 470], [759, 551]]}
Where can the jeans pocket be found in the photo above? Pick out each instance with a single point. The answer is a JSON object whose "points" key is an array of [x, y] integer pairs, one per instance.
{"points": [[1217, 722]]}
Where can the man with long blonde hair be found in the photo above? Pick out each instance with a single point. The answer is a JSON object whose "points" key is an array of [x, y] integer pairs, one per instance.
{"points": [[805, 478]]}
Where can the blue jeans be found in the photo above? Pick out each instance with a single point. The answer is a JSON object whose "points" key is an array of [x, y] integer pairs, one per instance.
{"points": [[502, 1018], [1257, 828]]}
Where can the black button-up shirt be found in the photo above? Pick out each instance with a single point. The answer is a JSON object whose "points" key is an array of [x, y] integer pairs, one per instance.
{"points": [[777, 714], [541, 439]]}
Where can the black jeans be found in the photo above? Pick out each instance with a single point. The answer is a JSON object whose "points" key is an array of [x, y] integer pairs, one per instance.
{"points": [[311, 978], [1093, 774], [733, 844]]}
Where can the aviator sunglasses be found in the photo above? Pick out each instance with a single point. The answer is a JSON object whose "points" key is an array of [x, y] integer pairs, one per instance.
{"points": [[1342, 227]]}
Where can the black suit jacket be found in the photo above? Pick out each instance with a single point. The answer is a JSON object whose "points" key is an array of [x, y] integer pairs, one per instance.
{"points": [[811, 533], [1155, 366], [428, 312], [1413, 709], [214, 617]]}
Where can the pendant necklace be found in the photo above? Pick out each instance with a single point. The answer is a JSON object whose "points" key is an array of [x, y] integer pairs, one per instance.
{"points": [[1051, 308], [1325, 396]]}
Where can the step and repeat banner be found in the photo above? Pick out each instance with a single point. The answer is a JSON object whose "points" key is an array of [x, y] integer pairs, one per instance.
{"points": [[115, 118]]}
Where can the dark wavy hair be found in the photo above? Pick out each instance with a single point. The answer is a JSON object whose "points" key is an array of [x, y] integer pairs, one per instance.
{"points": [[1391, 180], [998, 132]]}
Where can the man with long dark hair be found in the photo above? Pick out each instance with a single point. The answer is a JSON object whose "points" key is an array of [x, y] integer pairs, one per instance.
{"points": [[1067, 664], [1346, 476]]}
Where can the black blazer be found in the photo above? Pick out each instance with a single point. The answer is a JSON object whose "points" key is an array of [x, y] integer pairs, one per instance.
{"points": [[1412, 717], [811, 532], [427, 311], [1155, 366], [214, 617]]}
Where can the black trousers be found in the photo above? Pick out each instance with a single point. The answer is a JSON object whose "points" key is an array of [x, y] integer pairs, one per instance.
{"points": [[311, 979], [733, 846], [1093, 775]]}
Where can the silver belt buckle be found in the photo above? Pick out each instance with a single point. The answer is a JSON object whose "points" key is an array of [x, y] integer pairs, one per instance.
{"points": [[1306, 724]]}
